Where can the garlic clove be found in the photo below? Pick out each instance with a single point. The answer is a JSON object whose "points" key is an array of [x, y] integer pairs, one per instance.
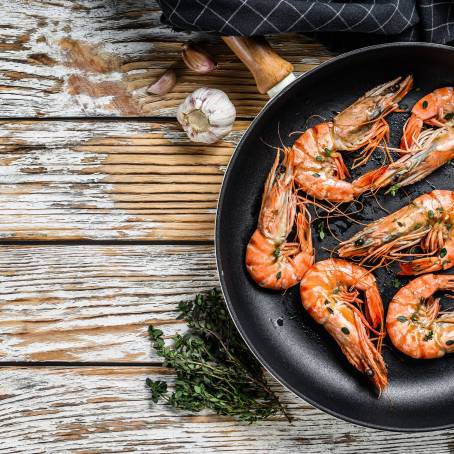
{"points": [[164, 84], [197, 59], [207, 115]]}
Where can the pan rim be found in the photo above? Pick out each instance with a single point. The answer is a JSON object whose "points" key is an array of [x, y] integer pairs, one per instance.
{"points": [[224, 290]]}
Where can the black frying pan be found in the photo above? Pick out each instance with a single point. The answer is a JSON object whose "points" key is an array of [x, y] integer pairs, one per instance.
{"points": [[297, 351]]}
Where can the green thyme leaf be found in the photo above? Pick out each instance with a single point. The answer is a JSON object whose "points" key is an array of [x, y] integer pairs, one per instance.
{"points": [[428, 336], [443, 252], [345, 330], [158, 389], [213, 366], [431, 214], [449, 116], [402, 319], [425, 104]]}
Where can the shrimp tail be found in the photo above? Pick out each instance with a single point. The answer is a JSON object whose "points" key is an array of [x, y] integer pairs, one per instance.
{"points": [[366, 182], [420, 266], [412, 129]]}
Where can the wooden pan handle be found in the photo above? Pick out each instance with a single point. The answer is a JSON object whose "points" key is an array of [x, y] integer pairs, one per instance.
{"points": [[267, 67]]}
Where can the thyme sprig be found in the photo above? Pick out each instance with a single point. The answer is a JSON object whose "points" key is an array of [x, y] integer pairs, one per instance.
{"points": [[213, 365]]}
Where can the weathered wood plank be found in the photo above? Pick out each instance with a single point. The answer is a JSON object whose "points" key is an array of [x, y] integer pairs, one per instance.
{"points": [[108, 180], [96, 57], [79, 303], [94, 410]]}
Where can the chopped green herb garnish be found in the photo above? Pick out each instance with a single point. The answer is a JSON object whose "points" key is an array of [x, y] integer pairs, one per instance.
{"points": [[327, 302], [431, 214], [450, 342], [213, 366], [393, 189], [429, 336], [417, 226], [327, 152], [400, 224], [449, 116], [396, 283], [277, 252], [330, 310], [321, 232], [414, 317], [278, 275], [443, 252], [336, 290], [425, 104], [402, 319], [316, 175], [319, 158], [345, 330]]}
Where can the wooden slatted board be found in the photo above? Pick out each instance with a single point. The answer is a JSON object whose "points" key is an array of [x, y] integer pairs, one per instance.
{"points": [[106, 223]]}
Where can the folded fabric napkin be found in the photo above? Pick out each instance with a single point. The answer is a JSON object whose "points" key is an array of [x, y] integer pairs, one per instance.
{"points": [[386, 20]]}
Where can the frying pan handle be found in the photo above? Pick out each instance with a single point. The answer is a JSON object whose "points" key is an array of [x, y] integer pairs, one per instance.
{"points": [[267, 67]]}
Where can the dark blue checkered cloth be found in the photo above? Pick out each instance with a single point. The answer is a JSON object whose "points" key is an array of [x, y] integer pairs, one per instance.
{"points": [[389, 20]]}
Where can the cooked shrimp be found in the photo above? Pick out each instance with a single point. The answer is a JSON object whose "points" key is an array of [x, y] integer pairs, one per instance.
{"points": [[328, 291], [434, 148], [413, 324], [319, 168], [271, 261], [434, 109], [427, 221]]}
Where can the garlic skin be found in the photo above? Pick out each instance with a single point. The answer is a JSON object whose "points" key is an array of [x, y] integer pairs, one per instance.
{"points": [[164, 84], [207, 115], [197, 59]]}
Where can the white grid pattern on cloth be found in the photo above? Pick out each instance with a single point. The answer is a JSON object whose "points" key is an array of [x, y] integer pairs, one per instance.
{"points": [[431, 19]]}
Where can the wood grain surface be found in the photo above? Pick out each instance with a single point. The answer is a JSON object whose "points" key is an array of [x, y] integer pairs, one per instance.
{"points": [[105, 180], [94, 303], [97, 57], [107, 410]]}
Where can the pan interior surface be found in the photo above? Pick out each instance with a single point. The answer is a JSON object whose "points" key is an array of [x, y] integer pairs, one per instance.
{"points": [[296, 350]]}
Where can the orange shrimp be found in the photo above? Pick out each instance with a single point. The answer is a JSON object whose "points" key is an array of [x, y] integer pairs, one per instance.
{"points": [[427, 221], [320, 170], [413, 324], [328, 291], [271, 261], [434, 109], [434, 148]]}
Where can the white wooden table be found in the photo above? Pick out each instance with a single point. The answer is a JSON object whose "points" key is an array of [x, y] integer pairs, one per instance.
{"points": [[106, 223]]}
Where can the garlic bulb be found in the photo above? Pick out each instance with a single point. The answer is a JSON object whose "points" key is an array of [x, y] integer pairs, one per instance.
{"points": [[207, 115]]}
